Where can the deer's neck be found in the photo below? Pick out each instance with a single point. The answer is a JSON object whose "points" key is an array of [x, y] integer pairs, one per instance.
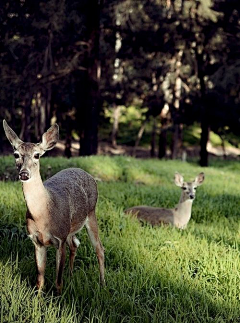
{"points": [[36, 196], [183, 212], [184, 206]]}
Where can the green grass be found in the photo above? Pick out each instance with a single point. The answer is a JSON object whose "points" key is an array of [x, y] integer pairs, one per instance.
{"points": [[153, 274]]}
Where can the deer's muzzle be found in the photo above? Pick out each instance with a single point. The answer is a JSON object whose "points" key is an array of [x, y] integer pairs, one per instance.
{"points": [[24, 175]]}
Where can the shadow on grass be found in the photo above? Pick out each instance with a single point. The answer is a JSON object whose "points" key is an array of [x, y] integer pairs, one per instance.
{"points": [[137, 289], [232, 242], [135, 292]]}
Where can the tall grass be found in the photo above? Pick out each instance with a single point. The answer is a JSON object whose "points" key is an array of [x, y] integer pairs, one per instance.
{"points": [[153, 274]]}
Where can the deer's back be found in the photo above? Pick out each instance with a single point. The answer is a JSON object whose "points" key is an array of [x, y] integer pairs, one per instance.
{"points": [[153, 215], [73, 195]]}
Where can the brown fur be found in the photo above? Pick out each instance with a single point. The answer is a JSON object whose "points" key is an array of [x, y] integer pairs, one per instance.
{"points": [[178, 216], [58, 208]]}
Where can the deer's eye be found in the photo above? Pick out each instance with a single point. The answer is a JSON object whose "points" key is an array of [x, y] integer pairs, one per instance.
{"points": [[36, 156], [184, 188], [16, 155]]}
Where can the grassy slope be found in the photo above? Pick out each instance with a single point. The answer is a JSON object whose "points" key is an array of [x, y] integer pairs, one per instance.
{"points": [[153, 274]]}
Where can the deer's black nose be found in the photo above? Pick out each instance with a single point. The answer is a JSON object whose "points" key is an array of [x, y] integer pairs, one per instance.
{"points": [[24, 175], [191, 196]]}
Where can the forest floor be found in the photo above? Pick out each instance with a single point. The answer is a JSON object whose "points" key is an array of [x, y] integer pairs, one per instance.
{"points": [[105, 148]]}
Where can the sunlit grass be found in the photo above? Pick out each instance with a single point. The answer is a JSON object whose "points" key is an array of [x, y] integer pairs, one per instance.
{"points": [[153, 274], [19, 303]]}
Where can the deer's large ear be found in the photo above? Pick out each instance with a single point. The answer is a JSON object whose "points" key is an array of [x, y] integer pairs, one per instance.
{"points": [[11, 135], [50, 138], [178, 179], [199, 179]]}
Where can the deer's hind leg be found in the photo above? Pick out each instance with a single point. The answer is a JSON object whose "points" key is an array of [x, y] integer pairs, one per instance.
{"points": [[92, 229], [73, 244], [60, 262]]}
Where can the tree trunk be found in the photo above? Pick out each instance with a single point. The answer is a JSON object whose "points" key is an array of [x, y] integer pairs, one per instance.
{"points": [[36, 117], [48, 105], [89, 125], [68, 145], [68, 142], [162, 148], [139, 136], [203, 142], [175, 141], [162, 144], [89, 131], [153, 138], [44, 94], [116, 116], [175, 108], [25, 131], [42, 110], [204, 122]]}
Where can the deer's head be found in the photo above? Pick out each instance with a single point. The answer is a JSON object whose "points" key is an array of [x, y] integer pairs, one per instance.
{"points": [[27, 154], [189, 188]]}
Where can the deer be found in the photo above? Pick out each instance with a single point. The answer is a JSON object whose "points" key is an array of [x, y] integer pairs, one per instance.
{"points": [[180, 215], [57, 208]]}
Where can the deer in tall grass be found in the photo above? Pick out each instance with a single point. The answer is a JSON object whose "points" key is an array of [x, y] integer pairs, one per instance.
{"points": [[178, 216], [57, 208]]}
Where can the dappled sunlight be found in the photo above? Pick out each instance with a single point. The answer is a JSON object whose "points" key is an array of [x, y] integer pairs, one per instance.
{"points": [[152, 273], [144, 96], [165, 260]]}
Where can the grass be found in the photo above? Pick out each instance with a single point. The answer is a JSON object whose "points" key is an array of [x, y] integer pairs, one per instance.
{"points": [[153, 274]]}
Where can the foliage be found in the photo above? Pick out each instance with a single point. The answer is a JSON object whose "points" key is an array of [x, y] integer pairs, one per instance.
{"points": [[177, 53], [153, 274], [62, 61]]}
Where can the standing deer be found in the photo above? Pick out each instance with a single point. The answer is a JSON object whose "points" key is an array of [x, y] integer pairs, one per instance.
{"points": [[57, 208], [178, 216]]}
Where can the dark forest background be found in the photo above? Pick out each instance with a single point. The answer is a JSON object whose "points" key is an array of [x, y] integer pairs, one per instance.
{"points": [[95, 66]]}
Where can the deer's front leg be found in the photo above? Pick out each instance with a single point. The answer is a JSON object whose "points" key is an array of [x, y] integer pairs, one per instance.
{"points": [[41, 257], [60, 262]]}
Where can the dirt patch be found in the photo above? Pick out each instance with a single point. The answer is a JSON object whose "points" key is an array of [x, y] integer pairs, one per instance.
{"points": [[105, 148]]}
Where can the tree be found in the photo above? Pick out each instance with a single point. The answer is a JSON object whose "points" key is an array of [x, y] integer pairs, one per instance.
{"points": [[88, 114], [48, 46]]}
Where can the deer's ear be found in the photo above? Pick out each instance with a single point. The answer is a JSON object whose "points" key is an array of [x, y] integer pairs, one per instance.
{"points": [[178, 179], [11, 135], [199, 179], [50, 138]]}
